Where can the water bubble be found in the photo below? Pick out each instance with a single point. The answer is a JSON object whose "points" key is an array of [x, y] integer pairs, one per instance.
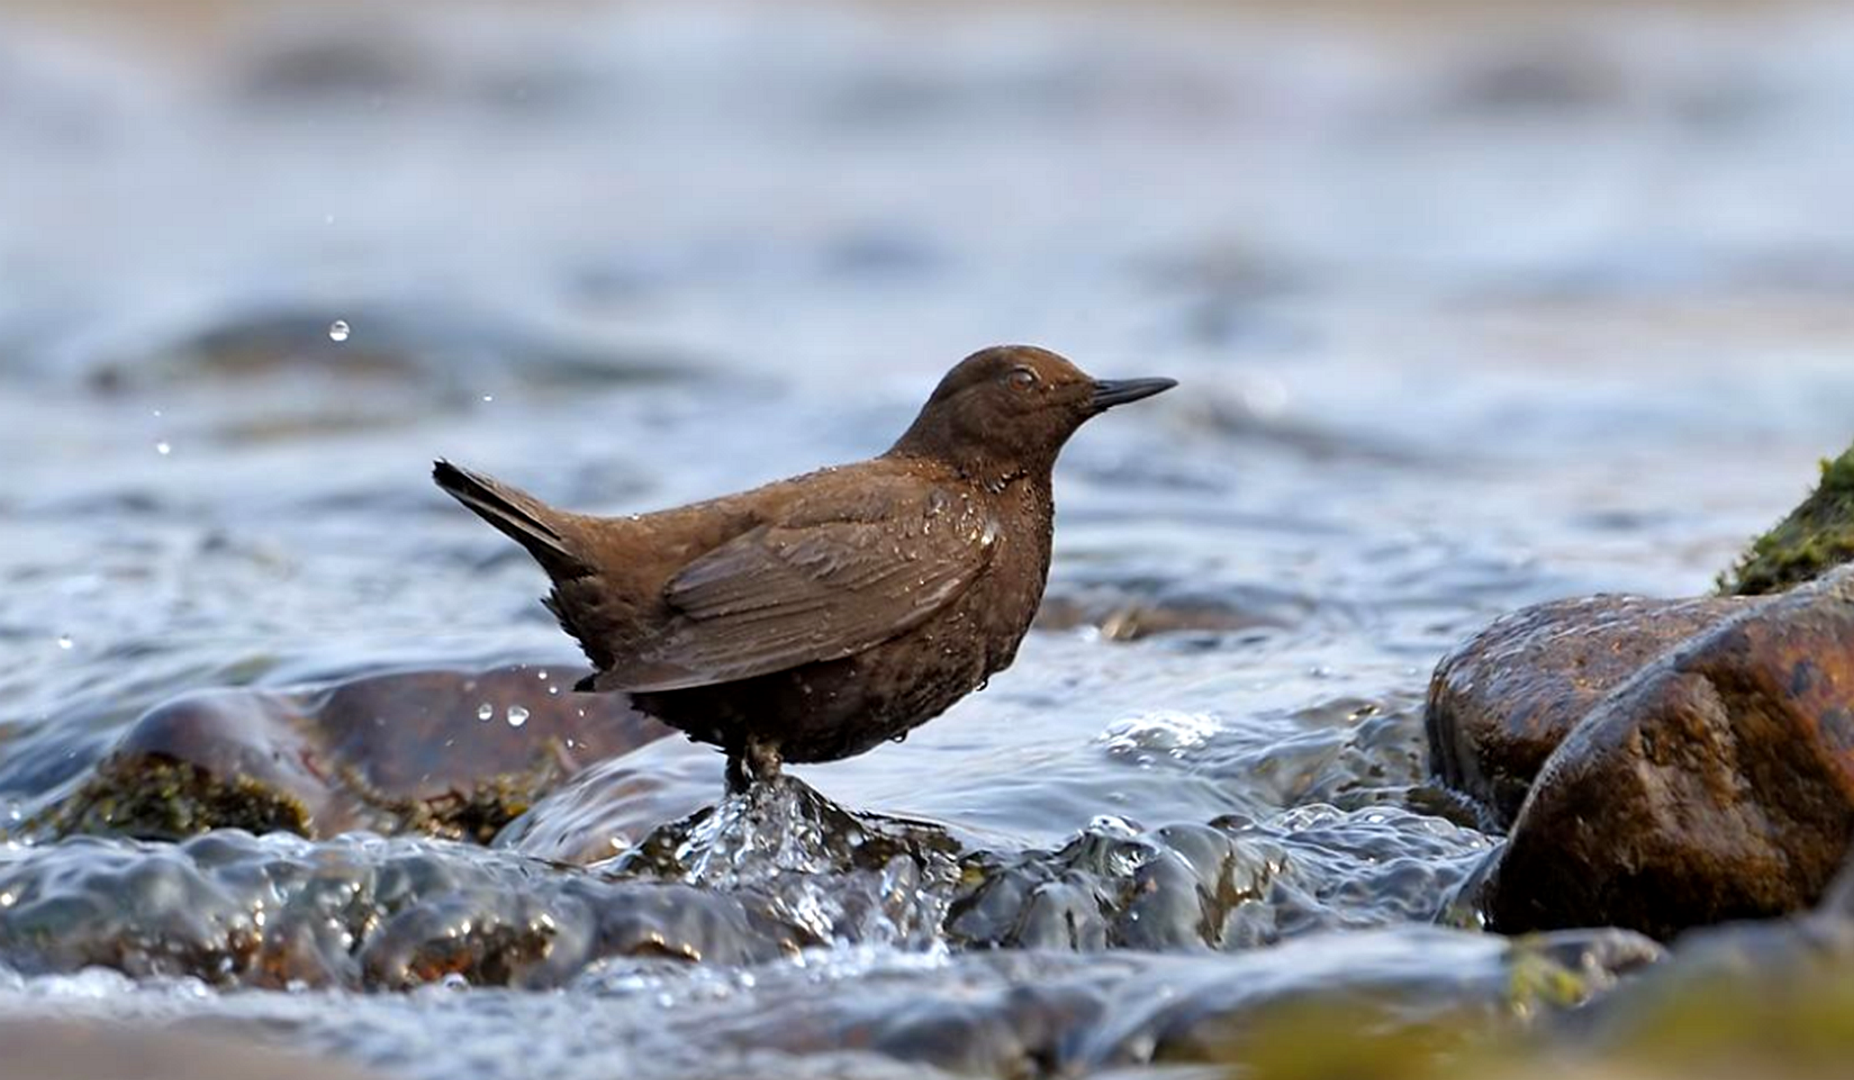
{"points": [[485, 711], [156, 413], [65, 642], [338, 330], [163, 448], [1168, 730], [328, 219], [487, 398], [517, 716]]}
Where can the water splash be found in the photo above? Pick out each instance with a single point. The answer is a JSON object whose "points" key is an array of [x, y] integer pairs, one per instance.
{"points": [[840, 876]]}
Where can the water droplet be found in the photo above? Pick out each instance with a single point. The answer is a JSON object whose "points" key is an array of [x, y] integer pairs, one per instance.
{"points": [[338, 330], [163, 449], [487, 398], [65, 642], [328, 219], [541, 675], [485, 711], [155, 413], [517, 716]]}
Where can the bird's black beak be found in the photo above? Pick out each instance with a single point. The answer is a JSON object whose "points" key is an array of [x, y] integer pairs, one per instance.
{"points": [[1111, 392]]}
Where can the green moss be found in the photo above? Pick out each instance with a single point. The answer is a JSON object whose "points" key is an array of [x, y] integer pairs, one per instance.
{"points": [[155, 797], [476, 815], [1817, 536], [1537, 983], [480, 813]]}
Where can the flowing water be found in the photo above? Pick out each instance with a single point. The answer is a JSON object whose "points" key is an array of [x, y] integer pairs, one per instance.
{"points": [[1466, 318]]}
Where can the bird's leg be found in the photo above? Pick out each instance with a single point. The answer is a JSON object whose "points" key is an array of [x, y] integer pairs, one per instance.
{"points": [[756, 762], [737, 779], [763, 761]]}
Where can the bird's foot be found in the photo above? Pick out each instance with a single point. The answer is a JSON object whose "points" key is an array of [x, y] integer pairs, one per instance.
{"points": [[757, 762]]}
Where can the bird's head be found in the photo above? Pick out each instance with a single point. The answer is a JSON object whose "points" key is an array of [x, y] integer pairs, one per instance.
{"points": [[1008, 410]]}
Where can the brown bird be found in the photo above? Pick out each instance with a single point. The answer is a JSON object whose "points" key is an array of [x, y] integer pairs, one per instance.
{"points": [[810, 619]]}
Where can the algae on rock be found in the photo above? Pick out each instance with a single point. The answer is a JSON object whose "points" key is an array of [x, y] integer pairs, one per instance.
{"points": [[158, 798], [1817, 536]]}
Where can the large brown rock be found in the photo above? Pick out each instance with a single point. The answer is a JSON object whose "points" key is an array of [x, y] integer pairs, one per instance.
{"points": [[1718, 784], [1500, 704], [454, 753]]}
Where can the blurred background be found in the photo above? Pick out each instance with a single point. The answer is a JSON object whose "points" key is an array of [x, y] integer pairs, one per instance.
{"points": [[1474, 305]]}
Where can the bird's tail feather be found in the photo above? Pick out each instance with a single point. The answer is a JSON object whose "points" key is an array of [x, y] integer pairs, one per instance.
{"points": [[518, 515]]}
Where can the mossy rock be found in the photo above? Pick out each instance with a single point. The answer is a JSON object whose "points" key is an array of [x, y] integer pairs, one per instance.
{"points": [[1817, 536], [396, 752]]}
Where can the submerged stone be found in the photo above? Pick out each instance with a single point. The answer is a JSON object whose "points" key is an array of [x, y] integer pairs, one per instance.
{"points": [[1717, 784], [1229, 884], [1500, 704], [1119, 613], [1816, 537], [399, 752], [359, 912]]}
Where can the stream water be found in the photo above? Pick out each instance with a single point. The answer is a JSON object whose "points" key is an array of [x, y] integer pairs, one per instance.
{"points": [[1465, 318]]}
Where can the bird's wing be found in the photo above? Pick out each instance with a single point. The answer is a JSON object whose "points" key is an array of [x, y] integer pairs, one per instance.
{"points": [[783, 595]]}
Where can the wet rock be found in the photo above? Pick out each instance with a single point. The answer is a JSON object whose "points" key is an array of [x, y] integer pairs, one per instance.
{"points": [[1817, 536], [359, 912], [1717, 784], [1541, 76], [1132, 611], [391, 363], [450, 753], [1229, 884], [1500, 704], [47, 1048]]}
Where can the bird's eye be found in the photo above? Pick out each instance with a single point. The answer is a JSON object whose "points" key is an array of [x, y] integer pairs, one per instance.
{"points": [[1023, 378]]}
